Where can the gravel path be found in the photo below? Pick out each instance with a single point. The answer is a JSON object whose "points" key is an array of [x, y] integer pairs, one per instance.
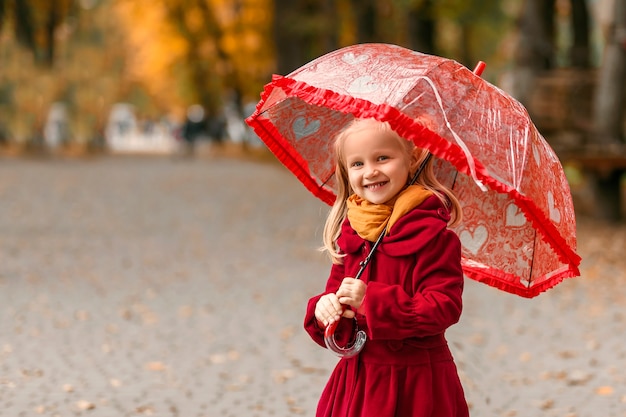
{"points": [[135, 286]]}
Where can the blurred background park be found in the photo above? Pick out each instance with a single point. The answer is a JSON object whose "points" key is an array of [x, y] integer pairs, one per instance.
{"points": [[170, 286], [84, 76]]}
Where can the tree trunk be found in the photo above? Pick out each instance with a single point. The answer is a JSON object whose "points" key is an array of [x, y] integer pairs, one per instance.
{"points": [[288, 52], [53, 20], [330, 34], [24, 26], [606, 193], [421, 27], [535, 49], [579, 54], [609, 98], [303, 30], [365, 15], [2, 13]]}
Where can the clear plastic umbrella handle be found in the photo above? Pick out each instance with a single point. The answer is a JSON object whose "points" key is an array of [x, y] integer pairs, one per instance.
{"points": [[343, 352]]}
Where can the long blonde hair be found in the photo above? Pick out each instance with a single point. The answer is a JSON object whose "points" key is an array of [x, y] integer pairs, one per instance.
{"points": [[339, 210]]}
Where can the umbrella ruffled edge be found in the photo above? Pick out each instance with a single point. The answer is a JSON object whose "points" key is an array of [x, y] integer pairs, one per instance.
{"points": [[412, 130], [503, 281]]}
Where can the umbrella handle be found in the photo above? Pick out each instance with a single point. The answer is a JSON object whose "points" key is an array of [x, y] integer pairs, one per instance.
{"points": [[343, 352]]}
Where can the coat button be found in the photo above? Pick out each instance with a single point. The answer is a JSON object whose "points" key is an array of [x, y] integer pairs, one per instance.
{"points": [[443, 213]]}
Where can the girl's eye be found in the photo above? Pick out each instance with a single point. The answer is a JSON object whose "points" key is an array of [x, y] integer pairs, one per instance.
{"points": [[383, 158], [356, 164]]}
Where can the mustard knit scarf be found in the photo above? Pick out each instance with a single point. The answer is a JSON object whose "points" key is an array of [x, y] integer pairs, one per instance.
{"points": [[369, 220]]}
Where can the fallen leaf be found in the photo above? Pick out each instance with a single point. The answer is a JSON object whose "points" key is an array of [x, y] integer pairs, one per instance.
{"points": [[283, 375], [145, 410], [604, 390], [287, 333], [217, 358], [155, 366], [85, 405], [566, 354], [68, 388], [546, 404], [185, 312], [578, 377], [81, 315], [477, 339]]}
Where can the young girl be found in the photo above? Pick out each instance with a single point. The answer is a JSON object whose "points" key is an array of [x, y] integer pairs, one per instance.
{"points": [[409, 293]]}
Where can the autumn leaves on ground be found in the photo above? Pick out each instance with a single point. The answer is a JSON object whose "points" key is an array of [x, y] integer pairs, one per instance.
{"points": [[151, 286]]}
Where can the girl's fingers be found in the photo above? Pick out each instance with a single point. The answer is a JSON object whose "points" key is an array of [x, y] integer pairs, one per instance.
{"points": [[328, 309], [349, 314]]}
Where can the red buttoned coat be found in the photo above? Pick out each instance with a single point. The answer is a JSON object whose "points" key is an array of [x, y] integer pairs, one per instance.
{"points": [[414, 286]]}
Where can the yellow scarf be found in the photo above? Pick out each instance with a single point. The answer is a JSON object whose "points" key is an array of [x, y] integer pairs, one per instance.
{"points": [[369, 220]]}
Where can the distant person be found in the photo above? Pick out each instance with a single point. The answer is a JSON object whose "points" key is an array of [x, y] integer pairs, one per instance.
{"points": [[194, 128], [217, 128]]}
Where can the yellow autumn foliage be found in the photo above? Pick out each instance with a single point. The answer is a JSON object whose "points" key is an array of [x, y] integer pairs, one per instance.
{"points": [[237, 51]]}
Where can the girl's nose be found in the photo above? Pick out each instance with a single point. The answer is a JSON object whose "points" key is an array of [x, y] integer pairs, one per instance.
{"points": [[372, 172]]}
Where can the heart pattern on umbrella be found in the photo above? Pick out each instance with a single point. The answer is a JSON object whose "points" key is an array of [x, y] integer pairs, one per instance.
{"points": [[302, 128], [514, 216], [473, 241], [555, 214], [352, 59], [363, 85]]}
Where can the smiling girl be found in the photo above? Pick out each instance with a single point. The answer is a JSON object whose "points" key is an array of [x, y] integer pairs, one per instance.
{"points": [[408, 295]]}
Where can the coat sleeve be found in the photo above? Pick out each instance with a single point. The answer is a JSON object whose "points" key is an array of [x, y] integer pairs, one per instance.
{"points": [[344, 330], [436, 303]]}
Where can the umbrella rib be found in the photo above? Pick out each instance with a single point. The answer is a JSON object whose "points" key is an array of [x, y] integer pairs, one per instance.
{"points": [[532, 261], [327, 179]]}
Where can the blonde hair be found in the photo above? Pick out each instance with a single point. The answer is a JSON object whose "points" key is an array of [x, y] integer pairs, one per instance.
{"points": [[339, 210]]}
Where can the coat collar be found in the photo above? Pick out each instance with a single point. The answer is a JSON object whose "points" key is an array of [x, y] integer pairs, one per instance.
{"points": [[411, 232]]}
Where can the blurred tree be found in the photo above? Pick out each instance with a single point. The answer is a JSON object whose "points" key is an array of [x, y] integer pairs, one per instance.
{"points": [[35, 22], [537, 50], [187, 52], [609, 110], [580, 53], [421, 26], [366, 16], [610, 99], [303, 30], [22, 21], [205, 60]]}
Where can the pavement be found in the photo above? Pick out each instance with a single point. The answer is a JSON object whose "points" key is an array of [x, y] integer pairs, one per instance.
{"points": [[152, 286]]}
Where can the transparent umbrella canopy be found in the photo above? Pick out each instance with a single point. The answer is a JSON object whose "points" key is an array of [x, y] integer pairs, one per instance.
{"points": [[518, 232]]}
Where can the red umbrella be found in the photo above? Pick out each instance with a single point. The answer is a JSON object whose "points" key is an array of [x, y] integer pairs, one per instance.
{"points": [[518, 231]]}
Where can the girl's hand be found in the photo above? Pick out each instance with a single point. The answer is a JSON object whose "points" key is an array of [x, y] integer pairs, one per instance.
{"points": [[351, 292], [328, 309]]}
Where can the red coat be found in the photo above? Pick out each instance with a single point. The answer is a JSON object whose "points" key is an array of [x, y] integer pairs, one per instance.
{"points": [[414, 287]]}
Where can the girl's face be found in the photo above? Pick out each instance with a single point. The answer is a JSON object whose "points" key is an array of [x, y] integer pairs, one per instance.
{"points": [[378, 164]]}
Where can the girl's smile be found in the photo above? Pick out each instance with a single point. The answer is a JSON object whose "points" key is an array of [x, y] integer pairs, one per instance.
{"points": [[378, 164]]}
